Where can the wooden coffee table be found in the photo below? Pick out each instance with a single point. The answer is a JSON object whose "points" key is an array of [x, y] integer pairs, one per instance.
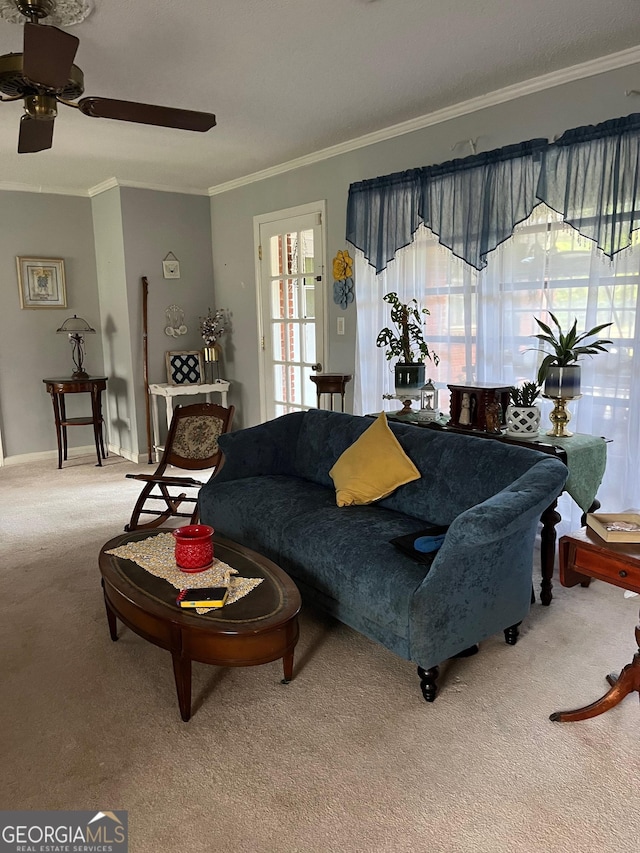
{"points": [[259, 628]]}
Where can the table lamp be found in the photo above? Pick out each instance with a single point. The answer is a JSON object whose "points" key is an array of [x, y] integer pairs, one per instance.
{"points": [[77, 328]]}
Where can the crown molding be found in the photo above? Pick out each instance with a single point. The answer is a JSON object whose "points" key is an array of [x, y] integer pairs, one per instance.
{"points": [[110, 183], [591, 68], [102, 187]]}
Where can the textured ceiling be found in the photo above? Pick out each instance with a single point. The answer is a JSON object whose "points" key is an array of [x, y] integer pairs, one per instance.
{"points": [[286, 78]]}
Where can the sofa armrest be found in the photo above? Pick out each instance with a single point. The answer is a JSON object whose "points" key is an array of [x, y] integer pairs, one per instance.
{"points": [[480, 580], [268, 448], [512, 508]]}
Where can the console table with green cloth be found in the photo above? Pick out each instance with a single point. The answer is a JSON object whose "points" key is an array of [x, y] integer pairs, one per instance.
{"points": [[585, 457]]}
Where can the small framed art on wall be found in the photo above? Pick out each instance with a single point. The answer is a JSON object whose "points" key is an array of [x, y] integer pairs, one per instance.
{"points": [[41, 283]]}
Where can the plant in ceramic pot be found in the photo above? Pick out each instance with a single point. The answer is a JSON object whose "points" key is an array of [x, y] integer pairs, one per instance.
{"points": [[559, 370], [523, 416], [405, 341]]}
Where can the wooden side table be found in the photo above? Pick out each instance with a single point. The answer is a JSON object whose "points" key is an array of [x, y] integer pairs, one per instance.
{"points": [[93, 385], [583, 556], [330, 383]]}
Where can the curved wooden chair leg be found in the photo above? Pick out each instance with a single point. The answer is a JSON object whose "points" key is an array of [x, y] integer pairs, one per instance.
{"points": [[172, 504]]}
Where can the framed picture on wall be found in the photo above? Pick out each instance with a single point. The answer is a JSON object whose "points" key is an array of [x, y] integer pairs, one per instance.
{"points": [[185, 368], [41, 283]]}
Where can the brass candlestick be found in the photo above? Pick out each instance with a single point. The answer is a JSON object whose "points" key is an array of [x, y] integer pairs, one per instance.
{"points": [[560, 416]]}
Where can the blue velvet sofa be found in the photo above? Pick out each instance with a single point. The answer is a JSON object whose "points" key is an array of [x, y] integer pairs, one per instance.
{"points": [[273, 493]]}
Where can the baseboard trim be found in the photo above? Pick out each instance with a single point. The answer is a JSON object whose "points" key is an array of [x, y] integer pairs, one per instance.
{"points": [[73, 452], [129, 455], [42, 455]]}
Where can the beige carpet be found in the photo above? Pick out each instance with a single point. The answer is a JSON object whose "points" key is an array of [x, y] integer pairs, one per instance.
{"points": [[346, 758]]}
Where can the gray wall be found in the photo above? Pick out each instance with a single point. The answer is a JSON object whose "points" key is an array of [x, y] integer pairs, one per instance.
{"points": [[47, 226], [154, 224], [544, 114]]}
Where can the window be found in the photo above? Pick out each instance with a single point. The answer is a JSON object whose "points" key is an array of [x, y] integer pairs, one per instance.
{"points": [[481, 326]]}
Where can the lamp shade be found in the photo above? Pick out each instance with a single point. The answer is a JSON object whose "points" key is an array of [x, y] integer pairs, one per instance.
{"points": [[75, 325]]}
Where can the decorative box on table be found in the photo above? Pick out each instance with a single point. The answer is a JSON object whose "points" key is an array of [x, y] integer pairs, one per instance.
{"points": [[480, 397], [616, 527]]}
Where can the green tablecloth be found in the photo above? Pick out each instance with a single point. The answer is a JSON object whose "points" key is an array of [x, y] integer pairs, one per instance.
{"points": [[586, 461]]}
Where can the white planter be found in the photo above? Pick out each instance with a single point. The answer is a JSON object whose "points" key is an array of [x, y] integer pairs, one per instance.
{"points": [[523, 421]]}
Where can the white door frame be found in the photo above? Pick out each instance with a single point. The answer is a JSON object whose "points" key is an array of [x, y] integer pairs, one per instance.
{"points": [[275, 216]]}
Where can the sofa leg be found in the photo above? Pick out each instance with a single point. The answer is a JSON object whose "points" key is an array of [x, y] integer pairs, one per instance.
{"points": [[428, 679], [511, 634]]}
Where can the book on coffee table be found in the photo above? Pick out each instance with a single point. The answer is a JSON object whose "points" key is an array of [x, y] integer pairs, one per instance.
{"points": [[210, 596]]}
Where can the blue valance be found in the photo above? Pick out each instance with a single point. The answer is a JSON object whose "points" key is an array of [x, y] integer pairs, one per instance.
{"points": [[591, 176]]}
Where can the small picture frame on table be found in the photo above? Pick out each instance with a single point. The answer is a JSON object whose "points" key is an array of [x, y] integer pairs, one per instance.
{"points": [[185, 368], [41, 283]]}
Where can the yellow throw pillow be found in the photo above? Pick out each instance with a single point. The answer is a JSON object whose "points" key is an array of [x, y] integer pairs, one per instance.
{"points": [[373, 467]]}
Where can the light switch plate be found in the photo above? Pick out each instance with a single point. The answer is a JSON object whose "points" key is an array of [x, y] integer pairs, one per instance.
{"points": [[340, 325]]}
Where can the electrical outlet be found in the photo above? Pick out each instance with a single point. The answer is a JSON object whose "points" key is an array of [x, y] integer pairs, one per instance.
{"points": [[341, 325]]}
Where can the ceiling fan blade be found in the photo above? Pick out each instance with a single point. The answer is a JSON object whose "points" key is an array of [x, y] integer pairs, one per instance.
{"points": [[147, 114], [35, 135], [48, 55]]}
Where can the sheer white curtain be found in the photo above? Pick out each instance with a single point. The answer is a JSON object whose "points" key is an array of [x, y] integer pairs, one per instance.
{"points": [[481, 326]]}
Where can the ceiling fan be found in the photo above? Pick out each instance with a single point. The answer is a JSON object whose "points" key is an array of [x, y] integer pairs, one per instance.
{"points": [[44, 76]]}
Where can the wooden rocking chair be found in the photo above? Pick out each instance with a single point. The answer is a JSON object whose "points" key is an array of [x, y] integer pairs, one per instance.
{"points": [[192, 445]]}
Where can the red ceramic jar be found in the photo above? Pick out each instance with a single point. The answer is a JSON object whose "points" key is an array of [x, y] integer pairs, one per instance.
{"points": [[194, 547]]}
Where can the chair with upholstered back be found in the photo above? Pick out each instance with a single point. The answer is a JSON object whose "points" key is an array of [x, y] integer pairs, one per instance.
{"points": [[191, 445]]}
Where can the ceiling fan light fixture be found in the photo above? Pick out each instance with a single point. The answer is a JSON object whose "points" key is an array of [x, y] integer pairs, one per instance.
{"points": [[64, 13], [44, 75]]}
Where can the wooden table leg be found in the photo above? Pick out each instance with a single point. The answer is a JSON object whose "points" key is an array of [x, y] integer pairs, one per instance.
{"points": [[293, 632], [96, 414], [56, 414], [111, 618], [627, 682], [549, 518], [287, 666], [63, 413], [182, 674]]}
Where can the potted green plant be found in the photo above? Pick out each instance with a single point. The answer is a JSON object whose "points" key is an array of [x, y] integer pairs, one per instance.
{"points": [[559, 371], [406, 342], [523, 416]]}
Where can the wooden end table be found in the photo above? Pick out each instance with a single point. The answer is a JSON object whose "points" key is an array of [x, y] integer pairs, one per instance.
{"points": [[331, 383], [259, 628], [583, 556], [93, 385]]}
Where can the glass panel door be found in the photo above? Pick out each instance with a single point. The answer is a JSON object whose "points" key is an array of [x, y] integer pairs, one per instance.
{"points": [[291, 311]]}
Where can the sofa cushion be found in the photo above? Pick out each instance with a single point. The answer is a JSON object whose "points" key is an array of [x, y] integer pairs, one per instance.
{"points": [[372, 467], [345, 554]]}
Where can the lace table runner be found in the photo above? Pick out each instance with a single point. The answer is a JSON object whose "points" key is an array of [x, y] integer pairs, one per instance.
{"points": [[156, 555]]}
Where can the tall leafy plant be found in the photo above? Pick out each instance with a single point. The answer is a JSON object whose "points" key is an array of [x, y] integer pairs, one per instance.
{"points": [[406, 339], [567, 348]]}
